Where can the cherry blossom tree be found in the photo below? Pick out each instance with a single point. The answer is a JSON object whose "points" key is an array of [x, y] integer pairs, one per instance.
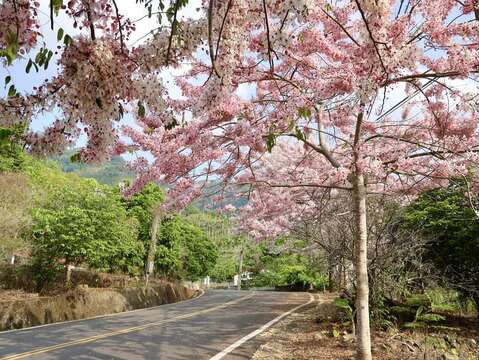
{"points": [[99, 77], [364, 96]]}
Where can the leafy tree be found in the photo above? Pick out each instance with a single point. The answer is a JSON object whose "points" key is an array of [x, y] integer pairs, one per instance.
{"points": [[323, 79], [11, 153], [446, 219], [184, 250], [82, 222], [141, 205]]}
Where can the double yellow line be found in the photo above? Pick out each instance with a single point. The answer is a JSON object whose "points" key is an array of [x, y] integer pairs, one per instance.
{"points": [[121, 331]]}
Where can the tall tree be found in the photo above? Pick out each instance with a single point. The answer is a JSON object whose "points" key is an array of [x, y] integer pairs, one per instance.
{"points": [[362, 96], [370, 90]]}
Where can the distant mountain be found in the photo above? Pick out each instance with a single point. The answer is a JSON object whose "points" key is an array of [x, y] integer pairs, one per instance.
{"points": [[230, 196], [111, 172]]}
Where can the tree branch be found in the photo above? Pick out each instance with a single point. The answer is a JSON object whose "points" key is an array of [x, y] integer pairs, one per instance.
{"points": [[119, 24]]}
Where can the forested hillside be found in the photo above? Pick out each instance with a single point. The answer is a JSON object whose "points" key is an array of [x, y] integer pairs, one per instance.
{"points": [[110, 172]]}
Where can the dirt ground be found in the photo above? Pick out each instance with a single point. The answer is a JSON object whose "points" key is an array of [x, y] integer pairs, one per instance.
{"points": [[310, 335]]}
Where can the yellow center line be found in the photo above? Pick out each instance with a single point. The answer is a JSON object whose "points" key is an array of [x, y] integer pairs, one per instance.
{"points": [[121, 331]]}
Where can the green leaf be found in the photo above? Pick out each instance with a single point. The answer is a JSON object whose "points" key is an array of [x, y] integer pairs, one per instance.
{"points": [[270, 141], [67, 40], [60, 33], [57, 5], [299, 134], [12, 91], [304, 112], [75, 158], [7, 80], [6, 133], [29, 66], [141, 109], [342, 303], [171, 124], [11, 50], [39, 57], [335, 333]]}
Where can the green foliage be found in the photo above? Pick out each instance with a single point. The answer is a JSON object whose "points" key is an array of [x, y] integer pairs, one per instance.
{"points": [[73, 220], [12, 157], [430, 307], [295, 276], [15, 208], [224, 269], [418, 300], [218, 229], [184, 250], [289, 270], [78, 221], [141, 206], [348, 310], [445, 219], [10, 52]]}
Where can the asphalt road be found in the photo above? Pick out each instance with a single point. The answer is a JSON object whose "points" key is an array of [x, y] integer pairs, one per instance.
{"points": [[200, 328]]}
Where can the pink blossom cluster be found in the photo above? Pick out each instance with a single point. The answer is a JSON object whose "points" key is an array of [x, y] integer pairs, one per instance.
{"points": [[19, 24], [99, 79], [101, 14], [324, 100], [97, 84]]}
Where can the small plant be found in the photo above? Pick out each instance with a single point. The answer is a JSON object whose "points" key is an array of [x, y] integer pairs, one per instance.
{"points": [[423, 317], [350, 313], [470, 307]]}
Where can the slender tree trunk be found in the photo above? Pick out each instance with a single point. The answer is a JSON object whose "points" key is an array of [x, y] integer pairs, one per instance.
{"points": [[363, 335], [330, 274], [240, 266], [150, 261]]}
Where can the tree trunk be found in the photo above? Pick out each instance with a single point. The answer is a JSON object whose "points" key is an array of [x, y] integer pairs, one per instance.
{"points": [[331, 282], [150, 261], [363, 335], [240, 266]]}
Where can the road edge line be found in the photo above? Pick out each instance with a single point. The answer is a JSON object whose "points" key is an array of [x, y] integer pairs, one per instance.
{"points": [[202, 292], [121, 331], [255, 333]]}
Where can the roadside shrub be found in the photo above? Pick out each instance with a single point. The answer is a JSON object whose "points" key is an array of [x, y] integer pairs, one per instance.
{"points": [[83, 222]]}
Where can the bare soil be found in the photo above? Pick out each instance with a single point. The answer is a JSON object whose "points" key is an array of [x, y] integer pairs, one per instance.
{"points": [[311, 334]]}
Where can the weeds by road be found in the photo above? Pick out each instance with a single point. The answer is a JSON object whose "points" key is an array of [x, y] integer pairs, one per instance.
{"points": [[312, 334]]}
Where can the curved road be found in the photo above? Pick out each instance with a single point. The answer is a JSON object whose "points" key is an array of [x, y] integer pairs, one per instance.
{"points": [[221, 324]]}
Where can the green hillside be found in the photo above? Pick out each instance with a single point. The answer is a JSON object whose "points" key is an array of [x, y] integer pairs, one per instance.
{"points": [[110, 172]]}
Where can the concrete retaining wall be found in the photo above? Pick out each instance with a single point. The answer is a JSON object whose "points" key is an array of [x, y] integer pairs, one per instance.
{"points": [[86, 302]]}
